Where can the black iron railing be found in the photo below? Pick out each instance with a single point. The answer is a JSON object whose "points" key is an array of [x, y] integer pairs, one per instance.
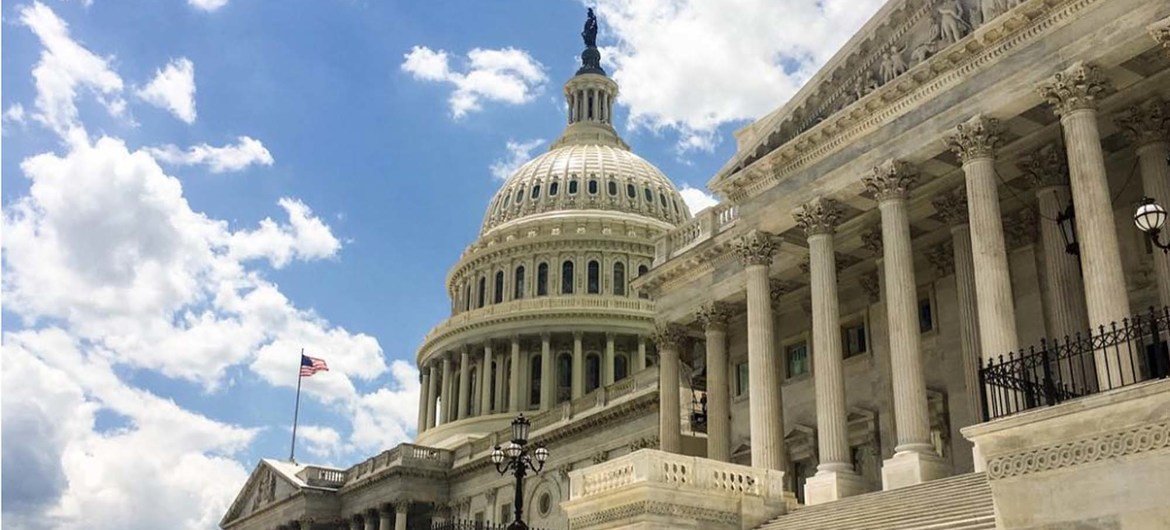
{"points": [[462, 524], [1058, 370]]}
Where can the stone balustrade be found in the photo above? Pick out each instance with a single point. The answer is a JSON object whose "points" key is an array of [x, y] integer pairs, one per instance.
{"points": [[704, 226], [404, 455], [700, 474], [322, 477]]}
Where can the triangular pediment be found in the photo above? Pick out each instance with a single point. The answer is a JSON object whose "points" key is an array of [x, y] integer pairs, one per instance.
{"points": [[264, 486]]}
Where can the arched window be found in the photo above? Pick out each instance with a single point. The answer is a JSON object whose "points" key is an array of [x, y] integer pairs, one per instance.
{"points": [[642, 270], [482, 291], [473, 378], [553, 188], [619, 279], [542, 279], [662, 199], [518, 284], [534, 379], [621, 367], [567, 277], [594, 276], [467, 297], [593, 186], [612, 187], [631, 191], [499, 295], [592, 372], [649, 195], [573, 186], [564, 377], [507, 200], [519, 196], [536, 191]]}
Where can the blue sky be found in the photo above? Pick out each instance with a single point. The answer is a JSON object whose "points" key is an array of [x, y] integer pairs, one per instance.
{"points": [[194, 190]]}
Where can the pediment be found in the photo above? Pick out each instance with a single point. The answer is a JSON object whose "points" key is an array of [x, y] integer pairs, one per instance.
{"points": [[264, 486]]}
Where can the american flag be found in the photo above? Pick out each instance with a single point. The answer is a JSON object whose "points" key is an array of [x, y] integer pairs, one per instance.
{"points": [[312, 365]]}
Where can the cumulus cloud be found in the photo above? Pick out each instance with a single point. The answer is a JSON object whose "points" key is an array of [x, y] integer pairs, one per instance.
{"points": [[207, 5], [689, 66], [304, 237], [505, 75], [518, 154], [696, 199], [173, 89], [15, 114], [246, 152]]}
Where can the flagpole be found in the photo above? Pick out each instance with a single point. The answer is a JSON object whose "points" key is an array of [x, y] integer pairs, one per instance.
{"points": [[296, 411]]}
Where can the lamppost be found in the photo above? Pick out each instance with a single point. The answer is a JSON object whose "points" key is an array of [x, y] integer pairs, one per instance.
{"points": [[1149, 218], [517, 457]]}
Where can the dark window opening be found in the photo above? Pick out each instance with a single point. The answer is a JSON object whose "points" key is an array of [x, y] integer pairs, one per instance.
{"points": [[612, 187], [797, 359], [592, 372], [498, 295], [482, 296], [631, 191], [542, 279], [925, 316], [536, 191], [619, 279], [649, 195], [518, 285], [573, 187], [592, 186], [593, 270], [553, 188], [853, 340], [567, 277]]}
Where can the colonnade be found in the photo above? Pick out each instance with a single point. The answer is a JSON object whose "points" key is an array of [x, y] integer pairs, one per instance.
{"points": [[392, 516]]}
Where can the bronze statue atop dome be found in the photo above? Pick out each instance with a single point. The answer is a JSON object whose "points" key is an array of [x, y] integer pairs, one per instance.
{"points": [[590, 58], [589, 34]]}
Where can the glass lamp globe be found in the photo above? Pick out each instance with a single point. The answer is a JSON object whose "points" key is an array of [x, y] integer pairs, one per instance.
{"points": [[497, 455], [1150, 216], [520, 427], [512, 450], [541, 454]]}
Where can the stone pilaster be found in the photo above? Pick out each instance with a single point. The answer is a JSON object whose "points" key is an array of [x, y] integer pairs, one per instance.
{"points": [[485, 380], [952, 208], [1147, 126], [464, 383], [713, 317], [514, 380], [1074, 94], [914, 460], [447, 394], [835, 478], [1064, 296], [640, 360], [669, 339], [755, 251], [548, 383]]}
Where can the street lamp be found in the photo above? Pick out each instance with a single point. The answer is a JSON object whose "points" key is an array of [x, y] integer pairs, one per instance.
{"points": [[1150, 217], [1067, 221], [516, 456]]}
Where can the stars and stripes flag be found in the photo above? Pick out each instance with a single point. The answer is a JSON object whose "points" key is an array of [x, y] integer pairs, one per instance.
{"points": [[312, 365]]}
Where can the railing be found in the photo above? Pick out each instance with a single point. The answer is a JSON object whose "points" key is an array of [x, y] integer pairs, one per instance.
{"points": [[409, 455], [461, 524], [1062, 369], [676, 471], [706, 225], [322, 476]]}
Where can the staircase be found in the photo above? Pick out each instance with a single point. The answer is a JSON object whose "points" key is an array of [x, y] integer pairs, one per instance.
{"points": [[955, 503]]}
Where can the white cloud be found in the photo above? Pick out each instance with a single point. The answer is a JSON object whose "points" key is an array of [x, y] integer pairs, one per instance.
{"points": [[65, 67], [505, 75], [320, 441], [518, 154], [696, 199], [173, 89], [15, 114], [246, 152], [207, 5], [690, 66], [385, 417], [304, 237]]}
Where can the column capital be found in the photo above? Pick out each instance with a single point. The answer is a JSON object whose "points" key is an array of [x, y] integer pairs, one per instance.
{"points": [[871, 240], [667, 335], [1078, 87], [778, 288], [755, 248], [1160, 31], [871, 283], [976, 138], [1145, 123], [951, 206], [714, 316], [545, 336], [942, 259], [401, 505], [818, 216], [1045, 167], [891, 180]]}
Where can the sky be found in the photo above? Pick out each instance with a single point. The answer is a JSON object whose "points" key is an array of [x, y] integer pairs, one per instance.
{"points": [[194, 191]]}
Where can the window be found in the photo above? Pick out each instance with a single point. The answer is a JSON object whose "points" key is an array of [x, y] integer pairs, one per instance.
{"points": [[649, 195], [593, 270], [631, 191], [572, 186], [519, 196], [593, 186], [553, 188], [534, 379], [506, 512], [662, 199], [536, 191], [676, 207], [612, 187], [797, 358], [545, 504], [567, 277], [853, 339], [619, 279], [542, 279], [518, 284], [621, 367], [498, 294], [741, 378], [565, 371], [507, 200], [482, 291], [642, 270], [467, 297], [592, 372], [925, 315]]}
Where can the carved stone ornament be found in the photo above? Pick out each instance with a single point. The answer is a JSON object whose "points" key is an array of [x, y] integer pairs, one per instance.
{"points": [[942, 259], [1079, 87], [976, 138], [1160, 31], [1021, 229], [952, 23], [755, 248], [1045, 167], [951, 206], [871, 283], [819, 216], [891, 180], [1145, 123], [668, 336], [649, 442], [714, 315], [600, 457], [871, 240], [779, 288]]}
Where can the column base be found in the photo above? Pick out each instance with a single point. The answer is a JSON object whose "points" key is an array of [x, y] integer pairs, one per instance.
{"points": [[828, 486], [910, 468]]}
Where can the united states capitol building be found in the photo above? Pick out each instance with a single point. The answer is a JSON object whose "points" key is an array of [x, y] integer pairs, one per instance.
{"points": [[922, 303]]}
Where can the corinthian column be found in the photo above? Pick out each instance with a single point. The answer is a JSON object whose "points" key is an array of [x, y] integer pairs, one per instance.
{"points": [[914, 460], [607, 365], [577, 384], [548, 383], [485, 380], [401, 509], [835, 478], [432, 395], [952, 208], [424, 394], [669, 339], [514, 383], [1148, 126], [975, 142], [447, 398], [713, 317], [1064, 295], [464, 382], [755, 251], [1073, 94]]}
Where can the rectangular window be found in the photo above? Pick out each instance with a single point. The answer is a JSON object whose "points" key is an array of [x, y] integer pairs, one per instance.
{"points": [[506, 512], [797, 358], [853, 339], [741, 379], [925, 315]]}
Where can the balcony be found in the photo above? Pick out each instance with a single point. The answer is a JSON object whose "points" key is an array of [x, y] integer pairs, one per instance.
{"points": [[703, 227]]}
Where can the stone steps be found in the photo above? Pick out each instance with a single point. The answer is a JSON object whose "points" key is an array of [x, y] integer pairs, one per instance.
{"points": [[956, 503]]}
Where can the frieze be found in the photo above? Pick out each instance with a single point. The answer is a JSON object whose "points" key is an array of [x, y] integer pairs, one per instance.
{"points": [[633, 510], [1105, 446]]}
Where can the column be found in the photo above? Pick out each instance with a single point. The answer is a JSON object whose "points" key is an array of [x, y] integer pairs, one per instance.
{"points": [[952, 208], [607, 367], [485, 385], [432, 394], [447, 388], [548, 383], [401, 510], [385, 516], [914, 460], [514, 382], [578, 382], [1146, 125], [835, 478], [713, 317], [640, 360], [424, 396], [464, 382], [371, 519], [501, 382], [766, 408], [1073, 94], [1064, 296], [669, 339]]}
